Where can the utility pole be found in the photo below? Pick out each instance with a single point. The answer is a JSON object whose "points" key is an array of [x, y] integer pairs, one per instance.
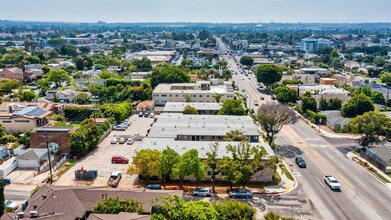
{"points": [[50, 163]]}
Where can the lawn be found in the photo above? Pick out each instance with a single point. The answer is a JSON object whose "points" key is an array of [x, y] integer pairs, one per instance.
{"points": [[286, 172], [75, 124]]}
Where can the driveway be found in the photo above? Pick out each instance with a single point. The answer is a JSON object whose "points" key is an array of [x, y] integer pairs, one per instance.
{"points": [[100, 159]]}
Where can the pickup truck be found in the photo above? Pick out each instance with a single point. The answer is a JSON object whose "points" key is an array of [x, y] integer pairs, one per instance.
{"points": [[115, 177], [332, 182]]}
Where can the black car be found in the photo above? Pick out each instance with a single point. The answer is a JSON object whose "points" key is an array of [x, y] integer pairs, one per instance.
{"points": [[146, 115], [153, 186], [300, 162]]}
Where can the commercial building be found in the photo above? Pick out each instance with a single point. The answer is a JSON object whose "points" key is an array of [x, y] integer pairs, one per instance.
{"points": [[311, 45], [202, 127], [57, 137], [201, 91], [202, 107]]}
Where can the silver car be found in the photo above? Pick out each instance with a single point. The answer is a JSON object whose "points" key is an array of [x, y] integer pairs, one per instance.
{"points": [[202, 192]]}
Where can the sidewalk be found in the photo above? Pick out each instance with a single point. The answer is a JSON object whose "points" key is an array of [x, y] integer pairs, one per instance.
{"points": [[352, 154], [286, 184]]}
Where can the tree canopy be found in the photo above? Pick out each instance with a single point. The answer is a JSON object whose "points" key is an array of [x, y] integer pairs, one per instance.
{"points": [[385, 77], [146, 163], [188, 110], [284, 94], [269, 74], [358, 105], [246, 60], [58, 76], [232, 107], [111, 205]]}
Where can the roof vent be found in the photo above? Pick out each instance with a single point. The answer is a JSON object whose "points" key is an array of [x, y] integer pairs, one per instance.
{"points": [[34, 214]]}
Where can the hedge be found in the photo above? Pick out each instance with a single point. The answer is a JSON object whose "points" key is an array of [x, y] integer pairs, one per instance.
{"points": [[124, 82], [77, 113], [314, 117]]}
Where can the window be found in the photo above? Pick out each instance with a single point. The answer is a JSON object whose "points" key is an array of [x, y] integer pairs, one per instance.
{"points": [[209, 173], [164, 95], [7, 121], [22, 120], [200, 96]]}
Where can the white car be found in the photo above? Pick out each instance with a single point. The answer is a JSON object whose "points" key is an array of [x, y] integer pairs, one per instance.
{"points": [[113, 140], [11, 205], [152, 115], [130, 141]]}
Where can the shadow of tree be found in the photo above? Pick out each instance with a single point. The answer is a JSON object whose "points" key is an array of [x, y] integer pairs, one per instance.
{"points": [[288, 151]]}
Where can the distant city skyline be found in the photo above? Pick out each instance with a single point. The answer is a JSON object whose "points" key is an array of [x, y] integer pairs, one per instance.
{"points": [[219, 11]]}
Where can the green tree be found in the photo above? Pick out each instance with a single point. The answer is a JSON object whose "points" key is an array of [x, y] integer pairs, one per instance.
{"points": [[111, 205], [236, 136], [246, 60], [232, 107], [330, 104], [146, 163], [188, 164], [272, 117], [168, 208], [212, 162], [43, 85], [58, 76], [308, 103], [366, 90], [357, 105], [167, 160], [84, 49], [188, 110], [284, 94], [200, 210], [373, 128], [231, 170], [8, 85], [143, 64], [81, 99], [56, 42], [45, 69], [385, 77], [268, 74], [173, 74], [27, 96], [232, 209], [378, 97], [217, 97]]}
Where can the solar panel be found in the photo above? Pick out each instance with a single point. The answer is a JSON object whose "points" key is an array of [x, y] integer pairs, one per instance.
{"points": [[31, 111]]}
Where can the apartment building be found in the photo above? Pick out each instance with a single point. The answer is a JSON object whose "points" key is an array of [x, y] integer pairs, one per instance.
{"points": [[311, 45], [201, 91]]}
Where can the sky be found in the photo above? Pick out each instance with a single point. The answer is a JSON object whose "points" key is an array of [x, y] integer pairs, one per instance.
{"points": [[220, 11]]}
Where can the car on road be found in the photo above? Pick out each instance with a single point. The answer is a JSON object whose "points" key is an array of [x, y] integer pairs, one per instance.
{"points": [[202, 192], [130, 141], [332, 182], [119, 159], [240, 193], [140, 114], [262, 98], [300, 162], [153, 186], [11, 205], [113, 140], [255, 102], [122, 140], [243, 90], [152, 115]]}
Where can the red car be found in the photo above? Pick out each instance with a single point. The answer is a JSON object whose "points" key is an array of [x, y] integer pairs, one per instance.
{"points": [[119, 159]]}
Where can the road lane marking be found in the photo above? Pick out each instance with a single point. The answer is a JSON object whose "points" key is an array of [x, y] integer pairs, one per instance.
{"points": [[329, 155], [360, 181], [339, 174], [301, 216], [342, 166], [319, 181]]}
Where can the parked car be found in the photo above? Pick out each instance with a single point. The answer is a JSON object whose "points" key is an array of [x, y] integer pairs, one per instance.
{"points": [[119, 159], [140, 114], [152, 115], [262, 98], [130, 141], [113, 140], [300, 162], [120, 127], [146, 114], [240, 193], [243, 90], [255, 102], [11, 205], [153, 186], [122, 140], [136, 134], [115, 177], [202, 192]]}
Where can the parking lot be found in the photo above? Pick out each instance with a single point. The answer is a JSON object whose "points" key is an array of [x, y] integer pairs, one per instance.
{"points": [[100, 159]]}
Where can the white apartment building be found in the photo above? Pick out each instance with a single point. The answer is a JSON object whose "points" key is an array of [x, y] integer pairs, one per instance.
{"points": [[201, 91], [310, 45]]}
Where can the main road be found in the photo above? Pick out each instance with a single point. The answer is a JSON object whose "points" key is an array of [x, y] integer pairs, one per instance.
{"points": [[363, 196]]}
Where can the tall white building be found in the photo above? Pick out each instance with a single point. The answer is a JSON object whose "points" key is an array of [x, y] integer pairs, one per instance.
{"points": [[310, 45]]}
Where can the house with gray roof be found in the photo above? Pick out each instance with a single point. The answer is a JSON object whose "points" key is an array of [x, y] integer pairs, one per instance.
{"points": [[32, 158], [379, 156], [335, 120]]}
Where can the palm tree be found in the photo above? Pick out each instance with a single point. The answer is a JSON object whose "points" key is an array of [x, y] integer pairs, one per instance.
{"points": [[217, 97]]}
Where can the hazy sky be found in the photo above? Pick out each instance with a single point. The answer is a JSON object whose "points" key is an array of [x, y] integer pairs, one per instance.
{"points": [[197, 10]]}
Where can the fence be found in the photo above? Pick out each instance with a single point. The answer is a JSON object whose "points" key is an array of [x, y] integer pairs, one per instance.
{"points": [[43, 166], [60, 163]]}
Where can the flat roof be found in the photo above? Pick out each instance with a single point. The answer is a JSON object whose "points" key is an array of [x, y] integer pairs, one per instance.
{"points": [[202, 146], [168, 88], [179, 106], [173, 124]]}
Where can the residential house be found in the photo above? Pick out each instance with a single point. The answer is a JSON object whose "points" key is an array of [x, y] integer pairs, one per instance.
{"points": [[55, 136], [137, 75], [21, 119], [327, 81], [335, 120], [75, 202], [203, 108], [146, 105], [12, 73], [64, 96], [379, 156], [32, 158]]}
